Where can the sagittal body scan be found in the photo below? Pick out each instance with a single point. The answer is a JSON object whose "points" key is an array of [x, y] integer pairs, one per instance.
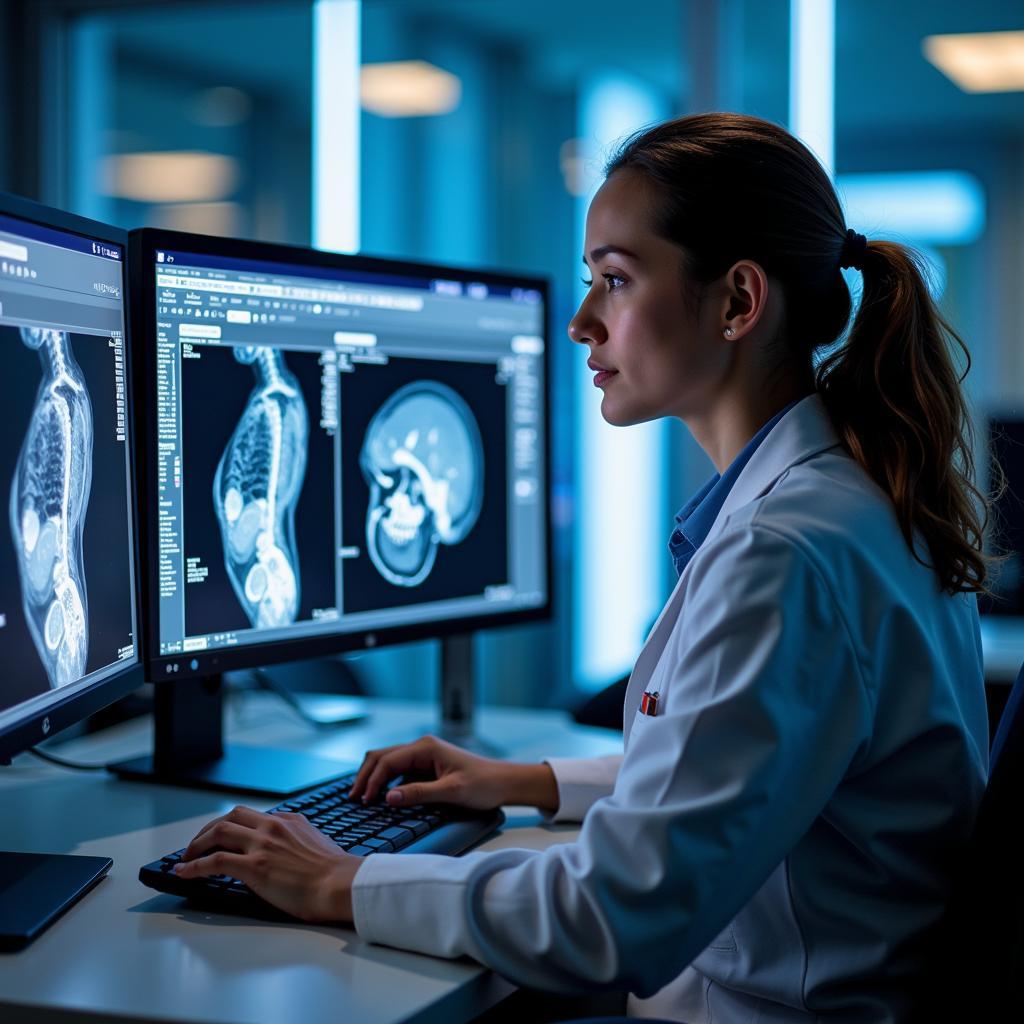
{"points": [[49, 497], [422, 459], [256, 489]]}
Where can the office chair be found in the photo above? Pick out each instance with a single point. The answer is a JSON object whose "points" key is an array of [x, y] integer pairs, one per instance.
{"points": [[977, 964]]}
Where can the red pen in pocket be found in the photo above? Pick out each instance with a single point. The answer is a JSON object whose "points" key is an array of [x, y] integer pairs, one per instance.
{"points": [[649, 703]]}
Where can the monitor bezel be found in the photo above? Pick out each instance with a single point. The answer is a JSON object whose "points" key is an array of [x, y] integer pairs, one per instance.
{"points": [[67, 710], [143, 245]]}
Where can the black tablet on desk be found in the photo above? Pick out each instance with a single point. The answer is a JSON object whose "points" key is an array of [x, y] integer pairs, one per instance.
{"points": [[27, 881]]}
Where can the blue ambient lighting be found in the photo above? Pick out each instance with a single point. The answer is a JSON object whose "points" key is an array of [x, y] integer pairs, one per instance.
{"points": [[336, 112], [620, 523], [927, 207]]}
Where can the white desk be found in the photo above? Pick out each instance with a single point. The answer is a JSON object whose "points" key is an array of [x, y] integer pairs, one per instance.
{"points": [[124, 951]]}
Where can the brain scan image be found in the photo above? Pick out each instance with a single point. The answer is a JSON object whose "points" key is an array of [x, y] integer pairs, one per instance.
{"points": [[256, 489], [49, 497], [422, 459]]}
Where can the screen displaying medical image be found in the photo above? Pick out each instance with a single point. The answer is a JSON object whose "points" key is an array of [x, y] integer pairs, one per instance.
{"points": [[49, 498], [424, 508], [257, 485], [340, 451], [65, 575]]}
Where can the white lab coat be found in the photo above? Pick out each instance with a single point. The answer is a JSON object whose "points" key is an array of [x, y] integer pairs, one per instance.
{"points": [[774, 842]]}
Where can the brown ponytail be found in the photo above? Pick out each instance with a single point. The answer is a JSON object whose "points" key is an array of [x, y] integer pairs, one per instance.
{"points": [[733, 187], [894, 396]]}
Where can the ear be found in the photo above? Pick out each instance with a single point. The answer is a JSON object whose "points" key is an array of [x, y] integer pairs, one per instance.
{"points": [[746, 296]]}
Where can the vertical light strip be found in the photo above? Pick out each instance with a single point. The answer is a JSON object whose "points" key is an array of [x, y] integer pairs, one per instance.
{"points": [[336, 60], [620, 527], [88, 105], [812, 76]]}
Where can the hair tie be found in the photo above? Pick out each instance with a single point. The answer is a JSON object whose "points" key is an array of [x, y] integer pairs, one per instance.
{"points": [[854, 248]]}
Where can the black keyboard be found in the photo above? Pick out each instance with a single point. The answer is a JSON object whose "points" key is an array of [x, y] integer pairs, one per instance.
{"points": [[356, 827]]}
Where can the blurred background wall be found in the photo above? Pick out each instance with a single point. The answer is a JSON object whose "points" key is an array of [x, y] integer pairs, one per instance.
{"points": [[474, 132]]}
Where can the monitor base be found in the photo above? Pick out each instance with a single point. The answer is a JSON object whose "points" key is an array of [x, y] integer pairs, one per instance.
{"points": [[36, 888], [189, 749], [256, 770]]}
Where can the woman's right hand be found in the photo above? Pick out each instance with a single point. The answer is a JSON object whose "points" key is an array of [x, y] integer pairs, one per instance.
{"points": [[459, 777]]}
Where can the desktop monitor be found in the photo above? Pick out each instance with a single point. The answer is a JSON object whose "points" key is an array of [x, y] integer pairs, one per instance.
{"points": [[68, 602], [341, 452], [1006, 528]]}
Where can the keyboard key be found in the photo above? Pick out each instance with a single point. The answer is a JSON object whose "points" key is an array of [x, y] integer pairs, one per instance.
{"points": [[418, 828], [399, 836], [381, 845], [360, 851]]}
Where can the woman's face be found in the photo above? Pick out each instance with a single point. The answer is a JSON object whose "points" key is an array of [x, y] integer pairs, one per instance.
{"points": [[653, 354]]}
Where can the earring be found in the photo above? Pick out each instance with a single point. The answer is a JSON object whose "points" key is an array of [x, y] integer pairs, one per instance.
{"points": [[729, 331]]}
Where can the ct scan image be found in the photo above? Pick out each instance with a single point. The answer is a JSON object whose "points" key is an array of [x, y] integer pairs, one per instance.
{"points": [[427, 511], [65, 582], [257, 489], [49, 498], [423, 460]]}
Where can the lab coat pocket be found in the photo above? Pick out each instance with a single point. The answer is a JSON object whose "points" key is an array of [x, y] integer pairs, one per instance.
{"points": [[637, 730]]}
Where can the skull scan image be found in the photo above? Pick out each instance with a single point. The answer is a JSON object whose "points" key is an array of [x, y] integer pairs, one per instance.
{"points": [[49, 497], [256, 489], [422, 459]]}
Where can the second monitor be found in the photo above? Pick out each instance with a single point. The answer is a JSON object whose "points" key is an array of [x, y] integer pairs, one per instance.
{"points": [[342, 451]]}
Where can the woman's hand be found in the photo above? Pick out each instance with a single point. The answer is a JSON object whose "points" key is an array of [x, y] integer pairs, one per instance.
{"points": [[459, 777], [282, 858]]}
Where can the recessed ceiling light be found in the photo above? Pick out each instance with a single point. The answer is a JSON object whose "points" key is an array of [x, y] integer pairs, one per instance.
{"points": [[979, 61], [170, 177], [202, 218], [408, 88]]}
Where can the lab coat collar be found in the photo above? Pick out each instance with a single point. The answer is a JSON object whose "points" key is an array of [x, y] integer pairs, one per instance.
{"points": [[802, 433]]}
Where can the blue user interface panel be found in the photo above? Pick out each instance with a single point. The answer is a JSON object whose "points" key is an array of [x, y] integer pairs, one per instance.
{"points": [[343, 452], [67, 605]]}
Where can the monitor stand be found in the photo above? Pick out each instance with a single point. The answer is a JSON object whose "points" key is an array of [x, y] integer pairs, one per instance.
{"points": [[457, 696], [189, 749]]}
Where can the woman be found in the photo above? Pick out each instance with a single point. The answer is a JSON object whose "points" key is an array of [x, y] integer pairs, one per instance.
{"points": [[806, 737]]}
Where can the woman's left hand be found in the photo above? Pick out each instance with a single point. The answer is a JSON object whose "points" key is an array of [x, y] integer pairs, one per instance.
{"points": [[281, 857]]}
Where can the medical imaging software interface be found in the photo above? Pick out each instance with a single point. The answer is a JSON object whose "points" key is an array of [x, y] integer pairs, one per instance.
{"points": [[343, 451], [67, 609]]}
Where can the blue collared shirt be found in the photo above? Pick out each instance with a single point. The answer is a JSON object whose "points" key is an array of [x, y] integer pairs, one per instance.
{"points": [[695, 519]]}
